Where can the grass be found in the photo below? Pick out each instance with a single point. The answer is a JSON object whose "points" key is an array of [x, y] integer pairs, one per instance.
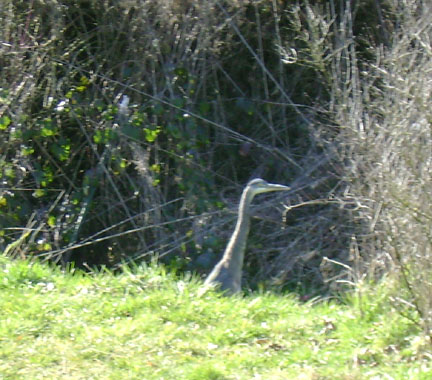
{"points": [[149, 324]]}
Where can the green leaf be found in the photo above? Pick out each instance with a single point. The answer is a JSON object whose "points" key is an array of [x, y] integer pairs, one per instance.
{"points": [[26, 151], [97, 138], [9, 171], [52, 220], [46, 132], [44, 247], [103, 137], [123, 163], [155, 168], [151, 134], [61, 149], [4, 122], [3, 201], [48, 128], [84, 80], [38, 193]]}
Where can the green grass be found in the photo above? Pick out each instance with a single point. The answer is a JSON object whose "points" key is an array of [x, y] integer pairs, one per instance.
{"points": [[147, 324]]}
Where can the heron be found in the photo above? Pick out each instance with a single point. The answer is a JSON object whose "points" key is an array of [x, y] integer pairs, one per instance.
{"points": [[227, 273]]}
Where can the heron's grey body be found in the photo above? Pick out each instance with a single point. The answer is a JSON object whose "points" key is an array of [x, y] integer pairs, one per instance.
{"points": [[227, 274]]}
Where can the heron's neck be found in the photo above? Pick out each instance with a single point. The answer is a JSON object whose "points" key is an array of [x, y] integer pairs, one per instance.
{"points": [[234, 252]]}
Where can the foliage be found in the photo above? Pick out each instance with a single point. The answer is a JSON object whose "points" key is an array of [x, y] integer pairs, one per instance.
{"points": [[385, 137], [148, 323], [132, 118]]}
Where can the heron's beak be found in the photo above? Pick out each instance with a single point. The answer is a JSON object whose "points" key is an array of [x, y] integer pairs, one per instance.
{"points": [[275, 187]]}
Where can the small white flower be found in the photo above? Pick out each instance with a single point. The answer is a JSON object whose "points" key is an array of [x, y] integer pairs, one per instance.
{"points": [[61, 106]]}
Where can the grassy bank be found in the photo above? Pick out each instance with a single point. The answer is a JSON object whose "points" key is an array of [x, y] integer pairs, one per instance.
{"points": [[147, 324]]}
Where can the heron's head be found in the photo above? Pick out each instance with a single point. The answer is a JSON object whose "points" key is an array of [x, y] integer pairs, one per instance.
{"points": [[258, 186]]}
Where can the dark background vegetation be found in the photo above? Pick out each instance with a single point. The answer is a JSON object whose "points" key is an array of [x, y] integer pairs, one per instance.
{"points": [[129, 128]]}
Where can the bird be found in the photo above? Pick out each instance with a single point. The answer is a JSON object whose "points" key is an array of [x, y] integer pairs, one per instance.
{"points": [[227, 273]]}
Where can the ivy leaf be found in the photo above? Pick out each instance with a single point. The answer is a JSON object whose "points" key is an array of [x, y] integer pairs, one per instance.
{"points": [[151, 134], [38, 193], [48, 128], [52, 220], [4, 122], [3, 202], [61, 149]]}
